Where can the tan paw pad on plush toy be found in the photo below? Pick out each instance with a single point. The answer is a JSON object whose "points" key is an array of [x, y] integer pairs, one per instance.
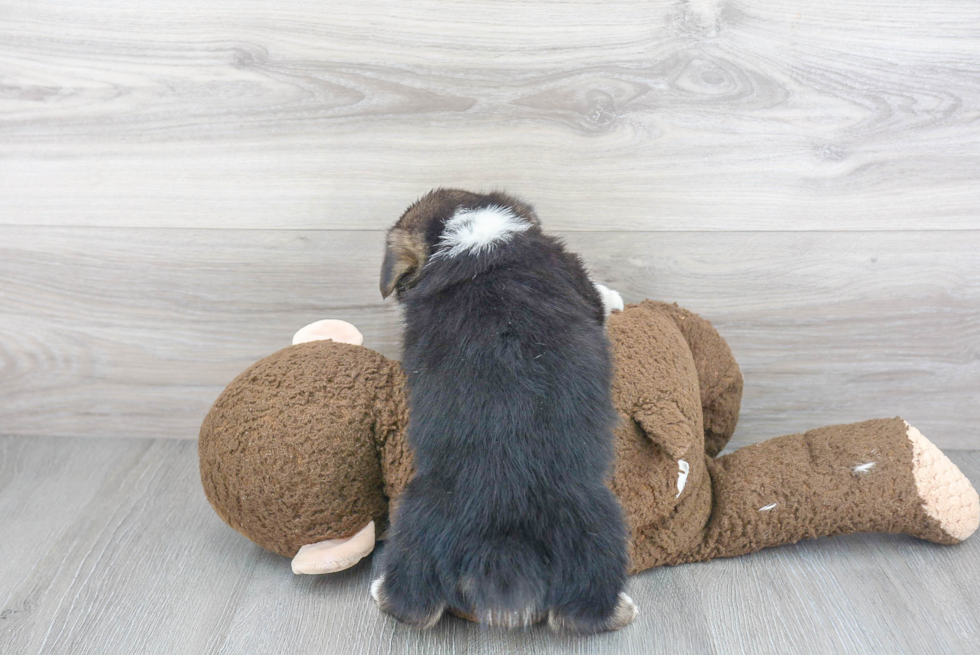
{"points": [[947, 495], [332, 555]]}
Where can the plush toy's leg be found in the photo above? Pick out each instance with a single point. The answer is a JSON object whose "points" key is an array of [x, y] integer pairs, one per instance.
{"points": [[335, 555], [876, 476]]}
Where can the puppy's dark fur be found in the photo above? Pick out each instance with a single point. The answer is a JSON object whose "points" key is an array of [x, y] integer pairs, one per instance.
{"points": [[508, 517]]}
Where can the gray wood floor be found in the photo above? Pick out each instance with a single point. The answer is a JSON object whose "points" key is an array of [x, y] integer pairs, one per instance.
{"points": [[109, 546]]}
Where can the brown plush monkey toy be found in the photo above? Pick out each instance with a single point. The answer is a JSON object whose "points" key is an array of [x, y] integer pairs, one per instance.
{"points": [[305, 452]]}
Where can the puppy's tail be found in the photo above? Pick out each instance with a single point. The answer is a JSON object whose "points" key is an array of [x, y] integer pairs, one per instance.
{"points": [[505, 583]]}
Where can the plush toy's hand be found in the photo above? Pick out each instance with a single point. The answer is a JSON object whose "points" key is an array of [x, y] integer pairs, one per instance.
{"points": [[332, 329], [666, 425], [334, 555]]}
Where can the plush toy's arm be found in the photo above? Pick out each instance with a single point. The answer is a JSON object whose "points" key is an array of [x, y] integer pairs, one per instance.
{"points": [[719, 378], [876, 476], [656, 382]]}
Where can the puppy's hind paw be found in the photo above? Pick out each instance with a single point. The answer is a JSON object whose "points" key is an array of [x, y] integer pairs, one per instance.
{"points": [[419, 619], [377, 592], [624, 613], [621, 616]]}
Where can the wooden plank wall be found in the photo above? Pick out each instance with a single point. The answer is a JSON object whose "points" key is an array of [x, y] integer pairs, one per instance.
{"points": [[182, 185]]}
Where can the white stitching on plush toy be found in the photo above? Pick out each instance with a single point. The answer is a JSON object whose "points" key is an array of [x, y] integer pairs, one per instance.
{"points": [[685, 468]]}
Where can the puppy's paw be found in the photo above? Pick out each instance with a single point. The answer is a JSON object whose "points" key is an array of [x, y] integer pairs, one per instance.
{"points": [[610, 299], [621, 616], [419, 618], [377, 593], [624, 613]]}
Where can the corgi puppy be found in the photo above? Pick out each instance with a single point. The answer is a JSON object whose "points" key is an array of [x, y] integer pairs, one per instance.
{"points": [[508, 518]]}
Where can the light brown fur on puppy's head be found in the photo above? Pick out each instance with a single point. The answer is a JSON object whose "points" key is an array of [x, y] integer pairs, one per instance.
{"points": [[410, 242]]}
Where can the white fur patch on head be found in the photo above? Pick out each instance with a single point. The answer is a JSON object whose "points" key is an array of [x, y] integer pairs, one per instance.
{"points": [[478, 230]]}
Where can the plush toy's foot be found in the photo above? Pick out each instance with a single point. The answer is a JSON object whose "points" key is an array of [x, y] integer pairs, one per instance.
{"points": [[334, 555], [947, 496], [330, 329]]}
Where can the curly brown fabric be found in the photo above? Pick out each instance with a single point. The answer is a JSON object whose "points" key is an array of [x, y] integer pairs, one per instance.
{"points": [[309, 444], [285, 453]]}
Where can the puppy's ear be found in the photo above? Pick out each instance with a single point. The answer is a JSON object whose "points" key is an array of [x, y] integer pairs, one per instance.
{"points": [[405, 256]]}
